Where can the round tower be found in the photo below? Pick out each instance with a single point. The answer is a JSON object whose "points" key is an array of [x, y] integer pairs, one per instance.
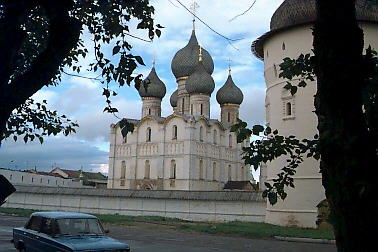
{"points": [[229, 96], [183, 65], [199, 86], [152, 90], [291, 35]]}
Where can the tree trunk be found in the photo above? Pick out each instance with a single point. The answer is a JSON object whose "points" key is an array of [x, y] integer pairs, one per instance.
{"points": [[348, 156]]}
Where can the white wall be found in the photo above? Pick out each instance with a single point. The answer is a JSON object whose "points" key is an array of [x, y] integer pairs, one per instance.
{"points": [[195, 206]]}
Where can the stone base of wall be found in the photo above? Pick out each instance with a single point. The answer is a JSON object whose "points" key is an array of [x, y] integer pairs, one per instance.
{"points": [[216, 206]]}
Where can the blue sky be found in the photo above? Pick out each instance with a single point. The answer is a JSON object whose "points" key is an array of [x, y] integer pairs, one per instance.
{"points": [[81, 100]]}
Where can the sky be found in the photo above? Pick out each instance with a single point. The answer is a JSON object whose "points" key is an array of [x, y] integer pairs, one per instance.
{"points": [[81, 100]]}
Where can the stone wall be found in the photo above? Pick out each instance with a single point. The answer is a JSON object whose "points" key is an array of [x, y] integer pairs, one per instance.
{"points": [[188, 205]]}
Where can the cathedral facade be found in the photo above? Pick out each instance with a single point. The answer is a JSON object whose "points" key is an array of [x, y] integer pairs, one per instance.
{"points": [[186, 150]]}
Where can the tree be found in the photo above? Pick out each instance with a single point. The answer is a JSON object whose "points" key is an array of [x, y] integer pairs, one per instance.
{"points": [[39, 39], [347, 108]]}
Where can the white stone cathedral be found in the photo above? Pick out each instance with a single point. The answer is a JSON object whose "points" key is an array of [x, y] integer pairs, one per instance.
{"points": [[186, 150]]}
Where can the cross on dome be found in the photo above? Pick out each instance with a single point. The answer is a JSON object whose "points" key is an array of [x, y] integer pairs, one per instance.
{"points": [[193, 9], [200, 53], [229, 66]]}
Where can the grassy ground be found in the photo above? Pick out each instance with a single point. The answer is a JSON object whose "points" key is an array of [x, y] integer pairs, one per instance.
{"points": [[246, 229]]}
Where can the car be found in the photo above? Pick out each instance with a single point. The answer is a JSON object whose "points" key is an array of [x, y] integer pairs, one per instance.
{"points": [[65, 232]]}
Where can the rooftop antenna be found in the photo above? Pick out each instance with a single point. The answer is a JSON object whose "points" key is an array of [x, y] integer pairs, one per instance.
{"points": [[193, 9]]}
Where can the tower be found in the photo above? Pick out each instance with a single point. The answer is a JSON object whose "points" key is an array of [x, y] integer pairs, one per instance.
{"points": [[152, 90], [229, 96], [291, 35]]}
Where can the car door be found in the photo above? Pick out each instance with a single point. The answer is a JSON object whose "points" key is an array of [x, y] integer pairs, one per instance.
{"points": [[32, 229]]}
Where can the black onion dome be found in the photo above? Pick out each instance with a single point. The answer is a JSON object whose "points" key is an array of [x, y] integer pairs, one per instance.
{"points": [[173, 99], [154, 86], [200, 81], [185, 60], [229, 93], [292, 13]]}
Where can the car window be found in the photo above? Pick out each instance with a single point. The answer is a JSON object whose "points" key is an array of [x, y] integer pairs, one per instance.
{"points": [[46, 227], [78, 226], [34, 223]]}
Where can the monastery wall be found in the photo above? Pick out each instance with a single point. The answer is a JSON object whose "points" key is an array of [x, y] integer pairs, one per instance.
{"points": [[187, 205]]}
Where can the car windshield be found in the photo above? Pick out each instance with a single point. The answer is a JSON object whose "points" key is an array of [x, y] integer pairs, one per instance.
{"points": [[79, 227]]}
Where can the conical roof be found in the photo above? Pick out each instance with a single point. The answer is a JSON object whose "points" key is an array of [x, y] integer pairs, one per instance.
{"points": [[200, 81], [173, 99], [229, 93], [152, 86], [185, 60], [292, 13]]}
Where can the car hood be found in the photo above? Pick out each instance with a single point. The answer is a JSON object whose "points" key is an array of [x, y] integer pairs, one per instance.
{"points": [[91, 242]]}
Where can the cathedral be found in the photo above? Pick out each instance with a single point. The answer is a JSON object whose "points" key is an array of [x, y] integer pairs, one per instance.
{"points": [[186, 150]]}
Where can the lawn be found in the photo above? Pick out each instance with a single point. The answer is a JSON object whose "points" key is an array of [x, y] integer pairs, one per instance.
{"points": [[246, 229]]}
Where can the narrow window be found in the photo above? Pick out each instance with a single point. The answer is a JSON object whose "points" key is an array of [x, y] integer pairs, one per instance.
{"points": [[40, 181], [215, 136], [174, 133], [228, 117], [288, 109], [201, 169], [48, 181], [173, 170], [32, 180], [283, 46], [191, 109], [182, 105], [22, 178], [10, 177], [147, 169], [267, 53], [230, 140], [201, 134], [125, 139], [148, 135], [229, 173], [56, 182], [123, 173], [201, 109], [275, 70], [149, 111], [215, 171]]}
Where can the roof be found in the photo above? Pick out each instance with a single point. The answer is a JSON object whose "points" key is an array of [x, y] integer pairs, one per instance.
{"points": [[86, 175], [152, 86], [173, 99], [294, 13], [229, 93], [200, 81], [64, 215], [185, 60]]}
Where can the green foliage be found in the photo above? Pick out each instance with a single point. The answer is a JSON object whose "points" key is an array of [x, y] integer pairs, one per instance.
{"points": [[126, 127], [270, 146], [34, 121]]}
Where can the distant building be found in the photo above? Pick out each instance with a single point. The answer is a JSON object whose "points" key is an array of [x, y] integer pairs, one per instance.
{"points": [[187, 150], [36, 178], [93, 179]]}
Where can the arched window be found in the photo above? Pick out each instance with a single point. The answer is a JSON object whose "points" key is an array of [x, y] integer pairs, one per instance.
{"points": [[147, 169], [230, 140], [283, 46], [215, 172], [201, 134], [182, 105], [228, 117], [215, 135], [201, 109], [148, 135], [288, 109], [201, 176], [174, 132], [173, 170], [149, 111], [229, 175]]}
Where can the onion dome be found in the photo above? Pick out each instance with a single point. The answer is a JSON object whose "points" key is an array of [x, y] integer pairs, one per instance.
{"points": [[200, 81], [292, 13], [229, 93], [185, 60], [173, 99], [152, 86]]}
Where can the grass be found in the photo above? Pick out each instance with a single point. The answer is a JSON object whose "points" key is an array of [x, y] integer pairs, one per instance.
{"points": [[246, 229]]}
